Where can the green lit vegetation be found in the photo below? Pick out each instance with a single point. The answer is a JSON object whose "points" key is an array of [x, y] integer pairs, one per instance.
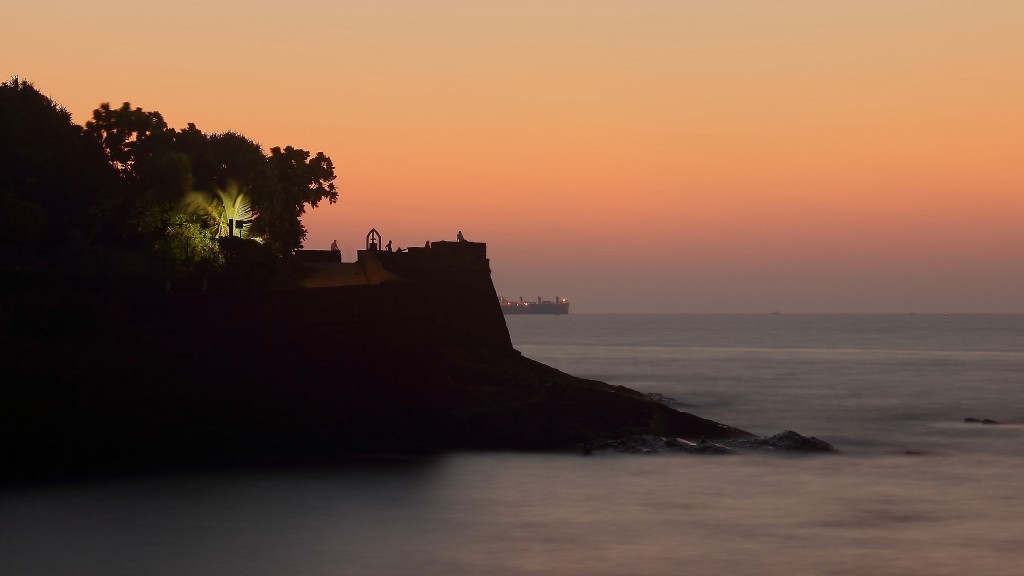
{"points": [[126, 187], [222, 210]]}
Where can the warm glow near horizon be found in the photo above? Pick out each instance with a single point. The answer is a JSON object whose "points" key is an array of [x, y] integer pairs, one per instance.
{"points": [[649, 156]]}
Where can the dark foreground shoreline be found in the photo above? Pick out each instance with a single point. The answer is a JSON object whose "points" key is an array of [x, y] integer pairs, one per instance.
{"points": [[421, 363]]}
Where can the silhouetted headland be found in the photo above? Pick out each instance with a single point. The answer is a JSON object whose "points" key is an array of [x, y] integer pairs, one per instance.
{"points": [[399, 352], [155, 311]]}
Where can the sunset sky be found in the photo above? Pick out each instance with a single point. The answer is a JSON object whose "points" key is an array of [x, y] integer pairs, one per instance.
{"points": [[640, 156]]}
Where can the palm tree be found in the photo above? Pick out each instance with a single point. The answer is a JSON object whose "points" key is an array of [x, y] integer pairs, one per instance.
{"points": [[222, 209]]}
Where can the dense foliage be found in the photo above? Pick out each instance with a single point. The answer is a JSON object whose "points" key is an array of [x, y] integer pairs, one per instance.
{"points": [[127, 181]]}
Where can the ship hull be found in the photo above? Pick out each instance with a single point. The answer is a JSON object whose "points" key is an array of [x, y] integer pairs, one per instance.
{"points": [[535, 308]]}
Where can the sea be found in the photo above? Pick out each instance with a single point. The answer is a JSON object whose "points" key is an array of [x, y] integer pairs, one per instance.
{"points": [[914, 489]]}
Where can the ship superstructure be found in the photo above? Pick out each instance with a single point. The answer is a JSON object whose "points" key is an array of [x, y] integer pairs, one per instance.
{"points": [[559, 305]]}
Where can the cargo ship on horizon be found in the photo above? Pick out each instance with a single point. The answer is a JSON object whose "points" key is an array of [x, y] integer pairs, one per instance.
{"points": [[557, 306]]}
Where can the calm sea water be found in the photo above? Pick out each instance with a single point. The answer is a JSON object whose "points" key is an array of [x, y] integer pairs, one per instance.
{"points": [[876, 386]]}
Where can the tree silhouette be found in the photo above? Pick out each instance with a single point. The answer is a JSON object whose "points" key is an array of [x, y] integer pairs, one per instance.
{"points": [[128, 180], [52, 177], [128, 135], [293, 181]]}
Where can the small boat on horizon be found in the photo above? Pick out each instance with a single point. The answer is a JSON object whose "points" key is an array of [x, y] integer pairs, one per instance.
{"points": [[557, 306]]}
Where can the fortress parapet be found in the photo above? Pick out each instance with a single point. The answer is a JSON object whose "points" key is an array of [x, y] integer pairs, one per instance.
{"points": [[442, 258]]}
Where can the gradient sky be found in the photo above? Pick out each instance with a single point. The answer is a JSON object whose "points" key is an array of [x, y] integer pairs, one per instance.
{"points": [[641, 156]]}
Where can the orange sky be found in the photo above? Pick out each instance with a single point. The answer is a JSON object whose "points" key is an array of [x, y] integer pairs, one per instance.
{"points": [[643, 156]]}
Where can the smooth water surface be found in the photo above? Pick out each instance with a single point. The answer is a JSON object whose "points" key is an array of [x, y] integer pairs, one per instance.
{"points": [[868, 383]]}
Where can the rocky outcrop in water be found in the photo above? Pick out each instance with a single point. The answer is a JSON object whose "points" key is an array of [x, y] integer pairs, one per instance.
{"points": [[981, 421], [787, 441]]}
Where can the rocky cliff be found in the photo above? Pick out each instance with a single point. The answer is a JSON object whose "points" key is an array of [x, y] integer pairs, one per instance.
{"points": [[417, 358]]}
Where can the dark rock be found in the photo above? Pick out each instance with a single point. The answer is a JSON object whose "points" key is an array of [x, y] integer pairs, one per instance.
{"points": [[633, 444], [787, 441], [709, 447], [651, 444], [678, 444], [977, 421], [661, 398]]}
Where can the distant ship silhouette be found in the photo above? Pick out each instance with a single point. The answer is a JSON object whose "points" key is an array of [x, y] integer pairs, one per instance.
{"points": [[557, 306]]}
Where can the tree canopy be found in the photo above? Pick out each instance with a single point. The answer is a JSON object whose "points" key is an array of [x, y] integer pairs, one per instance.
{"points": [[128, 180], [52, 177]]}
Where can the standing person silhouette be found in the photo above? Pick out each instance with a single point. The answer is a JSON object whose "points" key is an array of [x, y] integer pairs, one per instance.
{"points": [[459, 237]]}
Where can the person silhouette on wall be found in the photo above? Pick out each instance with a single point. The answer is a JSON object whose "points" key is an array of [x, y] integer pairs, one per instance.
{"points": [[460, 237], [334, 246], [388, 247]]}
